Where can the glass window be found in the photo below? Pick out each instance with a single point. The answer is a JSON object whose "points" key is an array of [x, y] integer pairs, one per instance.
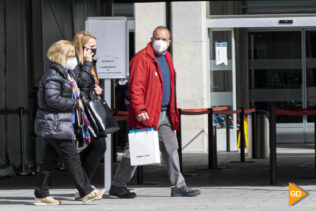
{"points": [[225, 7], [221, 73], [249, 7], [123, 9]]}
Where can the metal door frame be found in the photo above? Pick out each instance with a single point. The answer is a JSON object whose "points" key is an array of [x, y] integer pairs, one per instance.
{"points": [[301, 23], [267, 21]]}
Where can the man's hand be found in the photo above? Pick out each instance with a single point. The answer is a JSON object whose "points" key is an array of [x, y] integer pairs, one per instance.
{"points": [[142, 116]]}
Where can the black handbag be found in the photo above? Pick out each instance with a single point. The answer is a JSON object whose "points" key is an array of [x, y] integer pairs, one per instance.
{"points": [[100, 116]]}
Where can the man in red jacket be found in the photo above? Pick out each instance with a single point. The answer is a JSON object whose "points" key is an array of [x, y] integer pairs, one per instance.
{"points": [[152, 93]]}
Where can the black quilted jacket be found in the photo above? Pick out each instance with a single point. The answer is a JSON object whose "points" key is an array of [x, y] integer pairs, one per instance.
{"points": [[55, 102], [85, 79]]}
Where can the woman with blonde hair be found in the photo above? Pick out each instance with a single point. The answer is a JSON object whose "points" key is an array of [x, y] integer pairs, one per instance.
{"points": [[88, 82], [58, 99]]}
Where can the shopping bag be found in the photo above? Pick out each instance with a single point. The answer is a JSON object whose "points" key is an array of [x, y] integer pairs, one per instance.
{"points": [[144, 147], [100, 116]]}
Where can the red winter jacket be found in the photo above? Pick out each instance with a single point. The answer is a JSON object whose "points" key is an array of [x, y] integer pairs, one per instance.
{"points": [[145, 89]]}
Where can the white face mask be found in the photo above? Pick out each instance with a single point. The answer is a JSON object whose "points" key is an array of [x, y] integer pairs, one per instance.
{"points": [[71, 63], [160, 46]]}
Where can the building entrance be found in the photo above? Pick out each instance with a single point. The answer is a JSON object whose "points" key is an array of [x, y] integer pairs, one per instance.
{"points": [[282, 71]]}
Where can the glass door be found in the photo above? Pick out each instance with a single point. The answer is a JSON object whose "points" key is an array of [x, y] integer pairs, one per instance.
{"points": [[310, 49], [276, 74], [282, 70], [223, 74]]}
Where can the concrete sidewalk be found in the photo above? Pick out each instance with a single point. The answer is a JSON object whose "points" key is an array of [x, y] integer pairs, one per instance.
{"points": [[236, 186]]}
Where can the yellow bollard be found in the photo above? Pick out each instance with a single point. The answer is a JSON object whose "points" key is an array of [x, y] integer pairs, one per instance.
{"points": [[246, 136]]}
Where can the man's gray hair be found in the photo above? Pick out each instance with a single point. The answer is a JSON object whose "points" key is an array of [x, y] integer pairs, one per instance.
{"points": [[160, 27]]}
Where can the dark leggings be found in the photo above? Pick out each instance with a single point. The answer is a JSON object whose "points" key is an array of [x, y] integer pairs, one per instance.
{"points": [[92, 155]]}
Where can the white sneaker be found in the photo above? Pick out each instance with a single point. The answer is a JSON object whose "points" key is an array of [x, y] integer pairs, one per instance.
{"points": [[94, 195], [96, 190], [78, 197], [46, 201]]}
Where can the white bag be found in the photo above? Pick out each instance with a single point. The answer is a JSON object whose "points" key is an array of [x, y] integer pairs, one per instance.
{"points": [[144, 147]]}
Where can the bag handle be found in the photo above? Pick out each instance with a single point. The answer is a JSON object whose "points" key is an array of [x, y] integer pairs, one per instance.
{"points": [[147, 124]]}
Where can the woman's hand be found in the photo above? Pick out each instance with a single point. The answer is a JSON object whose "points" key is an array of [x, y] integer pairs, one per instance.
{"points": [[98, 90], [87, 54], [80, 104]]}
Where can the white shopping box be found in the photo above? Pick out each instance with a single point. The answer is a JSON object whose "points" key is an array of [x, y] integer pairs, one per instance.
{"points": [[144, 147]]}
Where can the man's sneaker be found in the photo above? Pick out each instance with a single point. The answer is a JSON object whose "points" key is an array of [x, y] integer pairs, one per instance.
{"points": [[46, 201], [94, 195], [184, 191], [78, 197], [121, 192]]}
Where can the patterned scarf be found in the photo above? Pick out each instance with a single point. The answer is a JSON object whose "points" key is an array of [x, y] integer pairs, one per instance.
{"points": [[86, 128]]}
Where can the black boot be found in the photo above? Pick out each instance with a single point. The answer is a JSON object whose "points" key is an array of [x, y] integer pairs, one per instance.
{"points": [[121, 192]]}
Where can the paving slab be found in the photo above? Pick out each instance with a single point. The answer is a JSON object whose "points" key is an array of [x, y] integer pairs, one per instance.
{"points": [[235, 186]]}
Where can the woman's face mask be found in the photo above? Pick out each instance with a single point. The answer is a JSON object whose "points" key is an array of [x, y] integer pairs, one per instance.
{"points": [[71, 63], [94, 51], [160, 46]]}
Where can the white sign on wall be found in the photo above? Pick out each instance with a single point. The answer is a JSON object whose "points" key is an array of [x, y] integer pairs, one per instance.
{"points": [[112, 45], [221, 53]]}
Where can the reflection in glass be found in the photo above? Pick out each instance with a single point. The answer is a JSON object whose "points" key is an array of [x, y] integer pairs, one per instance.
{"points": [[275, 71]]}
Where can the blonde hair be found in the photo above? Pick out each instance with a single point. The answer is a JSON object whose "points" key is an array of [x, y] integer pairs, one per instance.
{"points": [[80, 39], [59, 51]]}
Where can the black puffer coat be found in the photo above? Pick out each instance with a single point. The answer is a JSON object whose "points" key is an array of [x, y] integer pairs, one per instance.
{"points": [[55, 102], [86, 79]]}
